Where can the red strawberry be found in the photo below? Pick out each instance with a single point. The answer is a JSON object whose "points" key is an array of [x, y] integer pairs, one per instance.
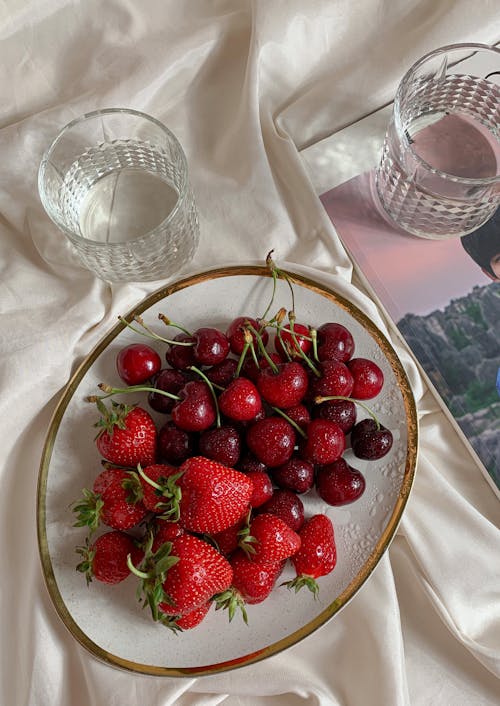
{"points": [[106, 558], [153, 479], [317, 555], [164, 531], [254, 580], [197, 576], [214, 496], [183, 622], [119, 504], [127, 435], [274, 540]]}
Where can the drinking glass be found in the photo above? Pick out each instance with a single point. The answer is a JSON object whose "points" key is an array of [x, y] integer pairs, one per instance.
{"points": [[115, 181], [439, 172]]}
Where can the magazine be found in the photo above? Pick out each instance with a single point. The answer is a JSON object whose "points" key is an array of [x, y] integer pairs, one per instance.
{"points": [[445, 306]]}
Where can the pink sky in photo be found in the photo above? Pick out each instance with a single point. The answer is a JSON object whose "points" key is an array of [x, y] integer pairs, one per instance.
{"points": [[409, 274]]}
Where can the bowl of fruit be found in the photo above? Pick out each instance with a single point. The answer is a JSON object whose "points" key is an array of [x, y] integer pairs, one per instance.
{"points": [[223, 472]]}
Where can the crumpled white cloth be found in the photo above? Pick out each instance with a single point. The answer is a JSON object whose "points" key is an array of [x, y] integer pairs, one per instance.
{"points": [[243, 84]]}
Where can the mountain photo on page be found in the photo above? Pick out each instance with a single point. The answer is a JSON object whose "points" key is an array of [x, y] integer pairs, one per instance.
{"points": [[445, 302]]}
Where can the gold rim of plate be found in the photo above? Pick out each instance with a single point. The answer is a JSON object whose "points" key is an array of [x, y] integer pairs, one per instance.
{"points": [[364, 572]]}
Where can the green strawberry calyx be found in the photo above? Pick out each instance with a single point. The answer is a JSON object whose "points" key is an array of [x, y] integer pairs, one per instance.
{"points": [[111, 417], [232, 601], [152, 573], [169, 494], [301, 581], [88, 510], [85, 566]]}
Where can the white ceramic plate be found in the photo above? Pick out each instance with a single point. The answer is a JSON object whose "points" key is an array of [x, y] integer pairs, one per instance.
{"points": [[107, 620]]}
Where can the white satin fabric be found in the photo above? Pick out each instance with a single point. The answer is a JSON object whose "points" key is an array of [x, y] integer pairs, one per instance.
{"points": [[244, 85]]}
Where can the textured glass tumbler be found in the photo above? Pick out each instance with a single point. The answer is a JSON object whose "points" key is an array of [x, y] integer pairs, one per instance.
{"points": [[116, 183], [439, 173]]}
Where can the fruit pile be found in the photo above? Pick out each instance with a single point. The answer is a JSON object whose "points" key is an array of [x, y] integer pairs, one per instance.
{"points": [[205, 508]]}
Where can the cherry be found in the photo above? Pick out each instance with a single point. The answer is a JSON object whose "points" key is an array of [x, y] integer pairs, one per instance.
{"points": [[221, 444], [236, 333], [248, 464], [211, 346], [338, 483], [137, 363], [325, 442], [370, 441], [285, 387], [271, 440], [175, 445], [195, 410], [299, 414], [262, 488], [335, 379], [168, 380], [240, 400], [296, 474], [343, 412], [368, 378], [181, 357], [287, 505], [335, 342], [251, 371], [222, 373], [287, 345]]}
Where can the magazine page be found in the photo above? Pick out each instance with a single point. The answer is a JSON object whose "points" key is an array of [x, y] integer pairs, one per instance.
{"points": [[445, 305]]}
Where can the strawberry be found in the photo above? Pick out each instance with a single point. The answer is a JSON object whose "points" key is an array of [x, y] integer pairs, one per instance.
{"points": [[106, 558], [317, 555], [165, 531], [213, 496], [274, 540], [254, 580], [118, 505], [152, 479], [127, 435], [187, 620], [262, 487]]}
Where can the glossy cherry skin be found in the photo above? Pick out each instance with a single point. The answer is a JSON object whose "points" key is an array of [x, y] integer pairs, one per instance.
{"points": [[325, 442], [222, 373], [168, 380], [370, 441], [222, 444], [236, 333], [195, 411], [296, 474], [335, 342], [338, 483], [271, 440], [336, 379], [288, 345], [368, 378], [286, 504], [285, 388], [181, 357], [343, 412], [137, 363], [240, 401], [174, 444], [211, 346]]}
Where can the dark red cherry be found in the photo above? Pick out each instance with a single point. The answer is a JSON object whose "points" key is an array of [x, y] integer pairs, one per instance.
{"points": [[285, 388], [338, 483], [370, 441], [221, 444], [174, 444], [168, 380], [335, 379], [325, 442], [368, 378], [296, 474], [211, 346], [222, 373], [262, 488], [251, 371], [343, 412], [286, 504], [180, 357], [271, 440], [236, 333], [137, 363], [288, 345], [195, 410], [335, 342]]}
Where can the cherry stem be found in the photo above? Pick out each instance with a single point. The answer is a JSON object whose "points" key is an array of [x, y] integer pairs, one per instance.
{"points": [[149, 333], [291, 421], [211, 387], [122, 390], [262, 349], [169, 322], [319, 400], [314, 339], [242, 358], [291, 317], [276, 272]]}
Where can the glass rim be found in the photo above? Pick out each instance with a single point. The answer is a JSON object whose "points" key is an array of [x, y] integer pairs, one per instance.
{"points": [[402, 134], [181, 193]]}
